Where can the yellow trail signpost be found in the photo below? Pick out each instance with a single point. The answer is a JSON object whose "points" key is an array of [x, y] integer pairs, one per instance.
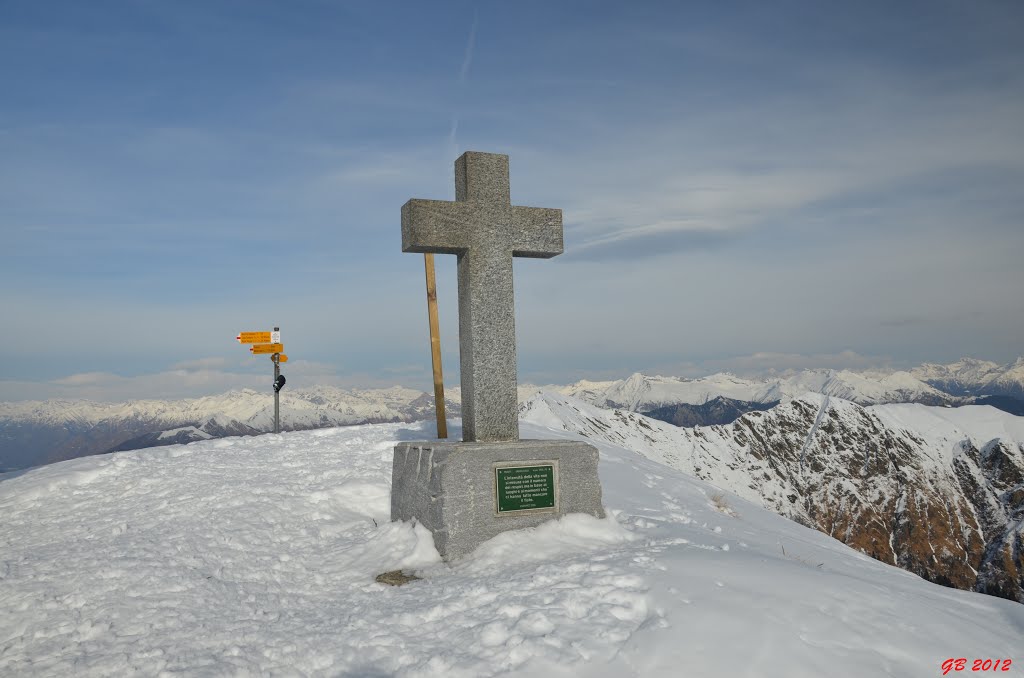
{"points": [[263, 343], [253, 337], [266, 348]]}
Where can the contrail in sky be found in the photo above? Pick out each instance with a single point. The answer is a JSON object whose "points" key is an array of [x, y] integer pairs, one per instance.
{"points": [[453, 142], [467, 59]]}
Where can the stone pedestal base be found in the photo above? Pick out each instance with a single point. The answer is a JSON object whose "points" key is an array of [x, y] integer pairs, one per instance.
{"points": [[466, 493]]}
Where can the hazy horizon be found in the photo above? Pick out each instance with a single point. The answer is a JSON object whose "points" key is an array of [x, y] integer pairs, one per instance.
{"points": [[206, 379]]}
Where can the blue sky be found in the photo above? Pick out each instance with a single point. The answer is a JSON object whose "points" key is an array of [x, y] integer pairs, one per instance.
{"points": [[744, 185]]}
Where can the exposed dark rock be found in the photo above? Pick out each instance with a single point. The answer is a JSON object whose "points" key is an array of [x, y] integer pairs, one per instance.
{"points": [[720, 410], [1006, 403]]}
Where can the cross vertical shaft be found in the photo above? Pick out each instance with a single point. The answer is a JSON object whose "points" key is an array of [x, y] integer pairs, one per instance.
{"points": [[487, 347], [485, 231]]}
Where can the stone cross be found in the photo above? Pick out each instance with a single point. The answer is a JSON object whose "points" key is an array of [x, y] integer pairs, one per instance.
{"points": [[485, 231]]}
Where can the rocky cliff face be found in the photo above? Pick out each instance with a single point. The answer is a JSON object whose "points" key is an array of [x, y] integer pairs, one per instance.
{"points": [[931, 490], [948, 510], [992, 479]]}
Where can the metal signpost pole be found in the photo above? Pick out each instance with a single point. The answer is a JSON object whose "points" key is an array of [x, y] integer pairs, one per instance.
{"points": [[277, 394], [277, 390], [264, 343]]}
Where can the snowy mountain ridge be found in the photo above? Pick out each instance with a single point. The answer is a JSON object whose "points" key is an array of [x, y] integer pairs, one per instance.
{"points": [[930, 384], [640, 392], [245, 405], [937, 491], [37, 432], [969, 376]]}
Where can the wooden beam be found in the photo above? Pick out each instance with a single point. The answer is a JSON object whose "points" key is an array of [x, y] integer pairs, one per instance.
{"points": [[435, 345]]}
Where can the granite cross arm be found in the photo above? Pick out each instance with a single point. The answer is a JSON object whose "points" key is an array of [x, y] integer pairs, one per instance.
{"points": [[485, 231]]}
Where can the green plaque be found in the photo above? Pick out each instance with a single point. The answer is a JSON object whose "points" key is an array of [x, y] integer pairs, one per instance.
{"points": [[525, 488]]}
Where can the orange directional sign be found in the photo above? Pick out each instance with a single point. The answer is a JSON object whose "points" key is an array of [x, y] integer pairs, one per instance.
{"points": [[253, 337], [282, 358], [267, 348]]}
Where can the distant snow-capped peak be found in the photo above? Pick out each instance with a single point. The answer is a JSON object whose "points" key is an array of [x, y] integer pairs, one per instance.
{"points": [[975, 377], [640, 392]]}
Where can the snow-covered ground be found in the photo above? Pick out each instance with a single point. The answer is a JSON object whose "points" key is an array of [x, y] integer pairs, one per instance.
{"points": [[953, 424], [257, 556]]}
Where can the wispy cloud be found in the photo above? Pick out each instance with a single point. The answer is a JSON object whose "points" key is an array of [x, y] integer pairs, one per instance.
{"points": [[111, 387], [201, 364], [189, 380], [768, 363], [85, 379], [467, 57], [650, 240]]}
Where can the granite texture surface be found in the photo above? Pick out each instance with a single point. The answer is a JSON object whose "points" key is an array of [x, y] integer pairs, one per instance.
{"points": [[449, 487], [485, 231]]}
